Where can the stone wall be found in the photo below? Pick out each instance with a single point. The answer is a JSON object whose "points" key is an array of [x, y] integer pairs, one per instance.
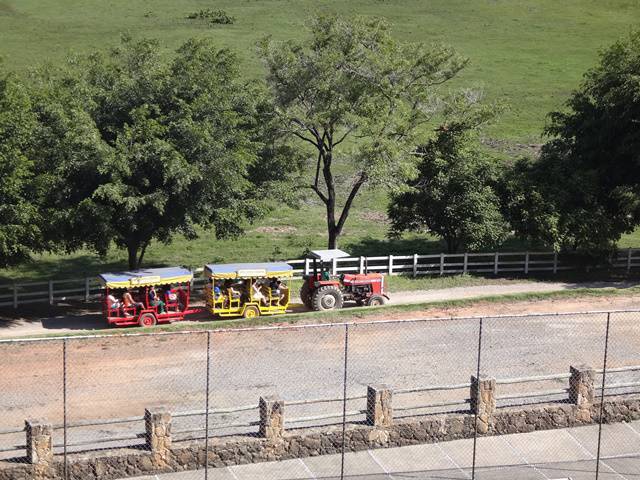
{"points": [[162, 455]]}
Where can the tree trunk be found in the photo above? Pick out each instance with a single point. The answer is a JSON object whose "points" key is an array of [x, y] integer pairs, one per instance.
{"points": [[333, 238], [132, 250]]}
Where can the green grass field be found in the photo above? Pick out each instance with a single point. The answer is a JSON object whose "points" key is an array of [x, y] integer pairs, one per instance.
{"points": [[527, 53]]}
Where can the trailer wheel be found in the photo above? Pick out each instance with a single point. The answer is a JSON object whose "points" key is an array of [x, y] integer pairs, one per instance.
{"points": [[327, 298], [305, 295], [376, 301], [251, 312], [147, 320]]}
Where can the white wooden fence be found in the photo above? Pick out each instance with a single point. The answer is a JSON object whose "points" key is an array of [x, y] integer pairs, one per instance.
{"points": [[495, 263]]}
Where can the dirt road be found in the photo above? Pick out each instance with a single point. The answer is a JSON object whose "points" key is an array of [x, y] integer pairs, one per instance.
{"points": [[64, 322]]}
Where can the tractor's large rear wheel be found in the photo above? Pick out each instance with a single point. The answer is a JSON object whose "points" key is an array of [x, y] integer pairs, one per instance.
{"points": [[305, 295], [327, 298]]}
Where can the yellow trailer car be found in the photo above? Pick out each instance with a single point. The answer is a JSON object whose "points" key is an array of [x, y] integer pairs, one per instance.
{"points": [[248, 289]]}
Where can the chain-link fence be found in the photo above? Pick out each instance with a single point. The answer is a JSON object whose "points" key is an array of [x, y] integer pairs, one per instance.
{"points": [[537, 396]]}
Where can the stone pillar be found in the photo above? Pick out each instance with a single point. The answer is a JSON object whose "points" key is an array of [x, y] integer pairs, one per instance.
{"points": [[157, 422], [271, 417], [379, 409], [39, 444], [483, 400], [581, 391]]}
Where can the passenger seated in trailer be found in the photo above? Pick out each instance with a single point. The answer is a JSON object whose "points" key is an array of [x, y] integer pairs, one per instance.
{"points": [[257, 294], [129, 303], [173, 298], [154, 300], [115, 304], [278, 290]]}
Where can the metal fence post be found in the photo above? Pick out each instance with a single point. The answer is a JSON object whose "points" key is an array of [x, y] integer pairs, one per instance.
{"points": [[15, 296], [555, 262], [604, 380], [475, 421], [390, 264], [495, 263], [465, 263], [64, 408], [344, 397], [526, 263], [415, 265], [86, 290], [206, 417], [442, 264], [629, 260], [50, 292]]}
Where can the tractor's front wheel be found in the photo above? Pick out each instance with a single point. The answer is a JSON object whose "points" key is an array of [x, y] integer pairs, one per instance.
{"points": [[327, 298], [305, 295], [376, 300]]}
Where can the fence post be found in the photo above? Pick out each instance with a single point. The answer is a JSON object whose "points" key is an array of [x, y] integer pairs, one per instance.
{"points": [[39, 443], [271, 417], [15, 296], [334, 267], [483, 400], [86, 290], [555, 262], [465, 263], [629, 260], [581, 390], [361, 269], [415, 265], [495, 263], [442, 264], [157, 422], [390, 264], [306, 266], [50, 292], [526, 262], [379, 409]]}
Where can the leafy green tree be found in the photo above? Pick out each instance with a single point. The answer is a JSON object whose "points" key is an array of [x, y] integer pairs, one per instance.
{"points": [[589, 172], [18, 227], [140, 148], [455, 193], [355, 96]]}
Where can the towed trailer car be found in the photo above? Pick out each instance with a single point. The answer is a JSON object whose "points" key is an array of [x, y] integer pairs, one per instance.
{"points": [[230, 290], [139, 283]]}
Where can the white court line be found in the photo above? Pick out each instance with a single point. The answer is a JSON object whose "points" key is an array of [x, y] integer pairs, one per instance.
{"points": [[304, 465], [630, 425], [453, 462], [380, 464], [584, 449], [233, 474], [521, 455]]}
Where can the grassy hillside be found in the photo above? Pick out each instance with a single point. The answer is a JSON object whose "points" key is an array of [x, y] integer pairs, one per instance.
{"points": [[528, 53]]}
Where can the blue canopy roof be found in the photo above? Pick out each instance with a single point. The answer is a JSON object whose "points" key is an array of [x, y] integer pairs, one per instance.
{"points": [[239, 270], [146, 277]]}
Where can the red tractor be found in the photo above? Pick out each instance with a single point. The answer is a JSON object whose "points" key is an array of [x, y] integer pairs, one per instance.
{"points": [[322, 292]]}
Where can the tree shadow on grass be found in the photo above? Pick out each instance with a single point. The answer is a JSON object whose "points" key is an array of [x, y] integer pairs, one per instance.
{"points": [[42, 269], [370, 247], [424, 246]]}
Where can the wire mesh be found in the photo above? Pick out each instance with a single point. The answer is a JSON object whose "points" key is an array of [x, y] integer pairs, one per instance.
{"points": [[502, 397], [618, 448], [538, 370]]}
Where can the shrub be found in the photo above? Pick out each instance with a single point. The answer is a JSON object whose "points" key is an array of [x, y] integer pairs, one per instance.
{"points": [[219, 17]]}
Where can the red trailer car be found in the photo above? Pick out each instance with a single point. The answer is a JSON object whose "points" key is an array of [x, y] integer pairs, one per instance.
{"points": [[146, 297]]}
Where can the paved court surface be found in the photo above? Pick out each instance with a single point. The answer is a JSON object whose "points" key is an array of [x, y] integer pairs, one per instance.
{"points": [[552, 454]]}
